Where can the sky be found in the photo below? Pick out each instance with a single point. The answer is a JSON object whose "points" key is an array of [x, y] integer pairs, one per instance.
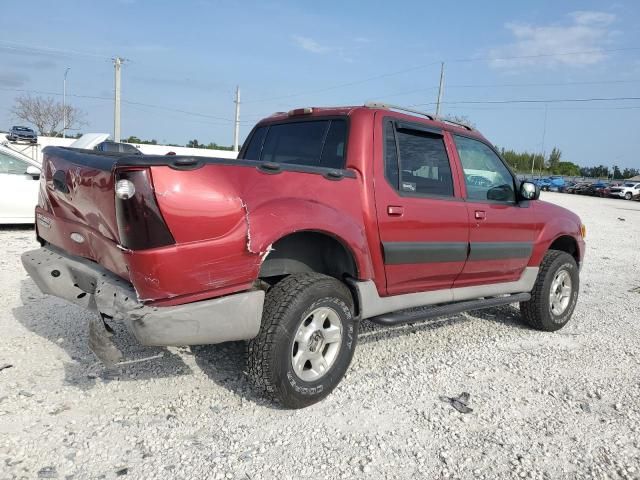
{"points": [[524, 73]]}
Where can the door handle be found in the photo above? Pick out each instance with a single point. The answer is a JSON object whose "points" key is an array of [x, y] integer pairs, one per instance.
{"points": [[395, 210], [480, 215]]}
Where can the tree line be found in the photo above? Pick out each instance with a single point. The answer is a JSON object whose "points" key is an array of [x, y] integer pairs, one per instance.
{"points": [[525, 162]]}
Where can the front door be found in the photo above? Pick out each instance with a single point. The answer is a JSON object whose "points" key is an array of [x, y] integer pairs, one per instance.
{"points": [[422, 218], [501, 230]]}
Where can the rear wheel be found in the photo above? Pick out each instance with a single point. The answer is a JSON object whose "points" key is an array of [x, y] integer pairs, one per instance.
{"points": [[306, 340], [555, 293]]}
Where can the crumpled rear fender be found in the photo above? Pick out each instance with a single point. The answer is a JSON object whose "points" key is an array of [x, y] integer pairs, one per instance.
{"points": [[275, 219]]}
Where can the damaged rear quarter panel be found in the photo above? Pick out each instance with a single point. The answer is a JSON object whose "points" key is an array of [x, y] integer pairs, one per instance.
{"points": [[225, 219]]}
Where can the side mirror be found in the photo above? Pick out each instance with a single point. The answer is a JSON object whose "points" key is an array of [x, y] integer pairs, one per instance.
{"points": [[33, 171], [529, 191], [500, 193]]}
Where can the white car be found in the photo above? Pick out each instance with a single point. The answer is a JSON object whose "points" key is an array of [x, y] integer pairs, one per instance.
{"points": [[627, 190], [19, 181]]}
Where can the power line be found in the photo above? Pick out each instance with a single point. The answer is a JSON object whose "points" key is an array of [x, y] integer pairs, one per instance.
{"points": [[41, 92], [188, 119], [343, 85], [178, 110], [499, 85], [553, 100], [128, 102], [23, 48], [542, 55], [459, 60]]}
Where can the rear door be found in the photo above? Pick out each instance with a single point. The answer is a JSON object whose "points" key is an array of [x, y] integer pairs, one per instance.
{"points": [[422, 218], [502, 231]]}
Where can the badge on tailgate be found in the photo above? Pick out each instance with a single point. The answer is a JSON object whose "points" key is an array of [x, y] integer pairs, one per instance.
{"points": [[43, 221]]}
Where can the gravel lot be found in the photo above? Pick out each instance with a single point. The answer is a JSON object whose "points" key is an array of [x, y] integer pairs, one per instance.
{"points": [[560, 405]]}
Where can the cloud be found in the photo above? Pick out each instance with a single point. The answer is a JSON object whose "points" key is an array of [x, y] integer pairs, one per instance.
{"points": [[309, 44], [12, 79], [586, 31]]}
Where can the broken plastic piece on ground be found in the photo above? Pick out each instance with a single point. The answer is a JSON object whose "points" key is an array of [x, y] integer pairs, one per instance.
{"points": [[100, 342], [460, 403]]}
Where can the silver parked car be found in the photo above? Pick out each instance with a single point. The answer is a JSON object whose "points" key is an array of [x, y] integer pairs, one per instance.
{"points": [[22, 134]]}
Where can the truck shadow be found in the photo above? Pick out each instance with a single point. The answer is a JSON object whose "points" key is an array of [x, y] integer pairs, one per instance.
{"points": [[225, 364], [67, 326]]}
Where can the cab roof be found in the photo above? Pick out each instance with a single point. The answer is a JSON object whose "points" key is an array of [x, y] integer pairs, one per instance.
{"points": [[437, 121]]}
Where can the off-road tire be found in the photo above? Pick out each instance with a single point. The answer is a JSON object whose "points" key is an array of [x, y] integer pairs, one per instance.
{"points": [[287, 304], [537, 312]]}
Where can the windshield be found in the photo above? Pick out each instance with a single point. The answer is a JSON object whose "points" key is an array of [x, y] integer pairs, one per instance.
{"points": [[22, 129], [629, 184]]}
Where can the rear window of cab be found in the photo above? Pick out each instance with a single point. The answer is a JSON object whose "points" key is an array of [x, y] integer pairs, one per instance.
{"points": [[313, 143]]}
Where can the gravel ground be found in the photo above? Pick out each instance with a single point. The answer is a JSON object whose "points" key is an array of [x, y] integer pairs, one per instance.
{"points": [[561, 405]]}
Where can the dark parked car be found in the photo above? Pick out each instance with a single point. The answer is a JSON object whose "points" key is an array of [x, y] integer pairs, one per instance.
{"points": [[22, 133], [117, 147], [578, 187], [596, 189], [567, 185]]}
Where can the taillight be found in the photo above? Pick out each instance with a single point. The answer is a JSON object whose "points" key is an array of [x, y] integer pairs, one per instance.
{"points": [[140, 222]]}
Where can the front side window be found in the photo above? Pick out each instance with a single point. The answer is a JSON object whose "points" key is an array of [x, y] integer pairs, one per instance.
{"points": [[486, 177], [416, 162], [11, 165], [314, 143]]}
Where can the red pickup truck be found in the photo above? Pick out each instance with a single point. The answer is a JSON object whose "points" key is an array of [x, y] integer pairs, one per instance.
{"points": [[329, 216]]}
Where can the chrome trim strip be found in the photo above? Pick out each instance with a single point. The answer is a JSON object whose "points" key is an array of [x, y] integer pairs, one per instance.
{"points": [[371, 304]]}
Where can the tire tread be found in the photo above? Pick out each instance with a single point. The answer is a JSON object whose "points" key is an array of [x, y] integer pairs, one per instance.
{"points": [[260, 350], [531, 310]]}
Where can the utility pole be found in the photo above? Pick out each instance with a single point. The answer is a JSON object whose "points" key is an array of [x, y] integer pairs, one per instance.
{"points": [[440, 88], [544, 134], [64, 104], [236, 130], [117, 63]]}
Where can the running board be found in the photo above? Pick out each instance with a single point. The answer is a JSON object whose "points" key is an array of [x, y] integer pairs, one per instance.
{"points": [[403, 316]]}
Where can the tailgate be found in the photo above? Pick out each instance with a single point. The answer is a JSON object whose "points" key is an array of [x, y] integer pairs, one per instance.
{"points": [[175, 228], [76, 207]]}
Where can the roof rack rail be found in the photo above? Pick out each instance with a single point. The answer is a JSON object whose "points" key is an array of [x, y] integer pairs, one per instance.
{"points": [[430, 116]]}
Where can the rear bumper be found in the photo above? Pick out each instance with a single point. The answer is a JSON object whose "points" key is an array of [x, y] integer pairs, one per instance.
{"points": [[85, 283]]}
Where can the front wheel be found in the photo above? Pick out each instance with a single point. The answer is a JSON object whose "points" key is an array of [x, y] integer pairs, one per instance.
{"points": [[628, 196], [306, 340], [555, 293]]}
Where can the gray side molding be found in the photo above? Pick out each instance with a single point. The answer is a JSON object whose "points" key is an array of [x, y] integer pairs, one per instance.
{"points": [[372, 304]]}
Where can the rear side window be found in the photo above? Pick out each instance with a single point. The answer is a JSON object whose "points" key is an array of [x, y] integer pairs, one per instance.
{"points": [[255, 144], [416, 162], [315, 143]]}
